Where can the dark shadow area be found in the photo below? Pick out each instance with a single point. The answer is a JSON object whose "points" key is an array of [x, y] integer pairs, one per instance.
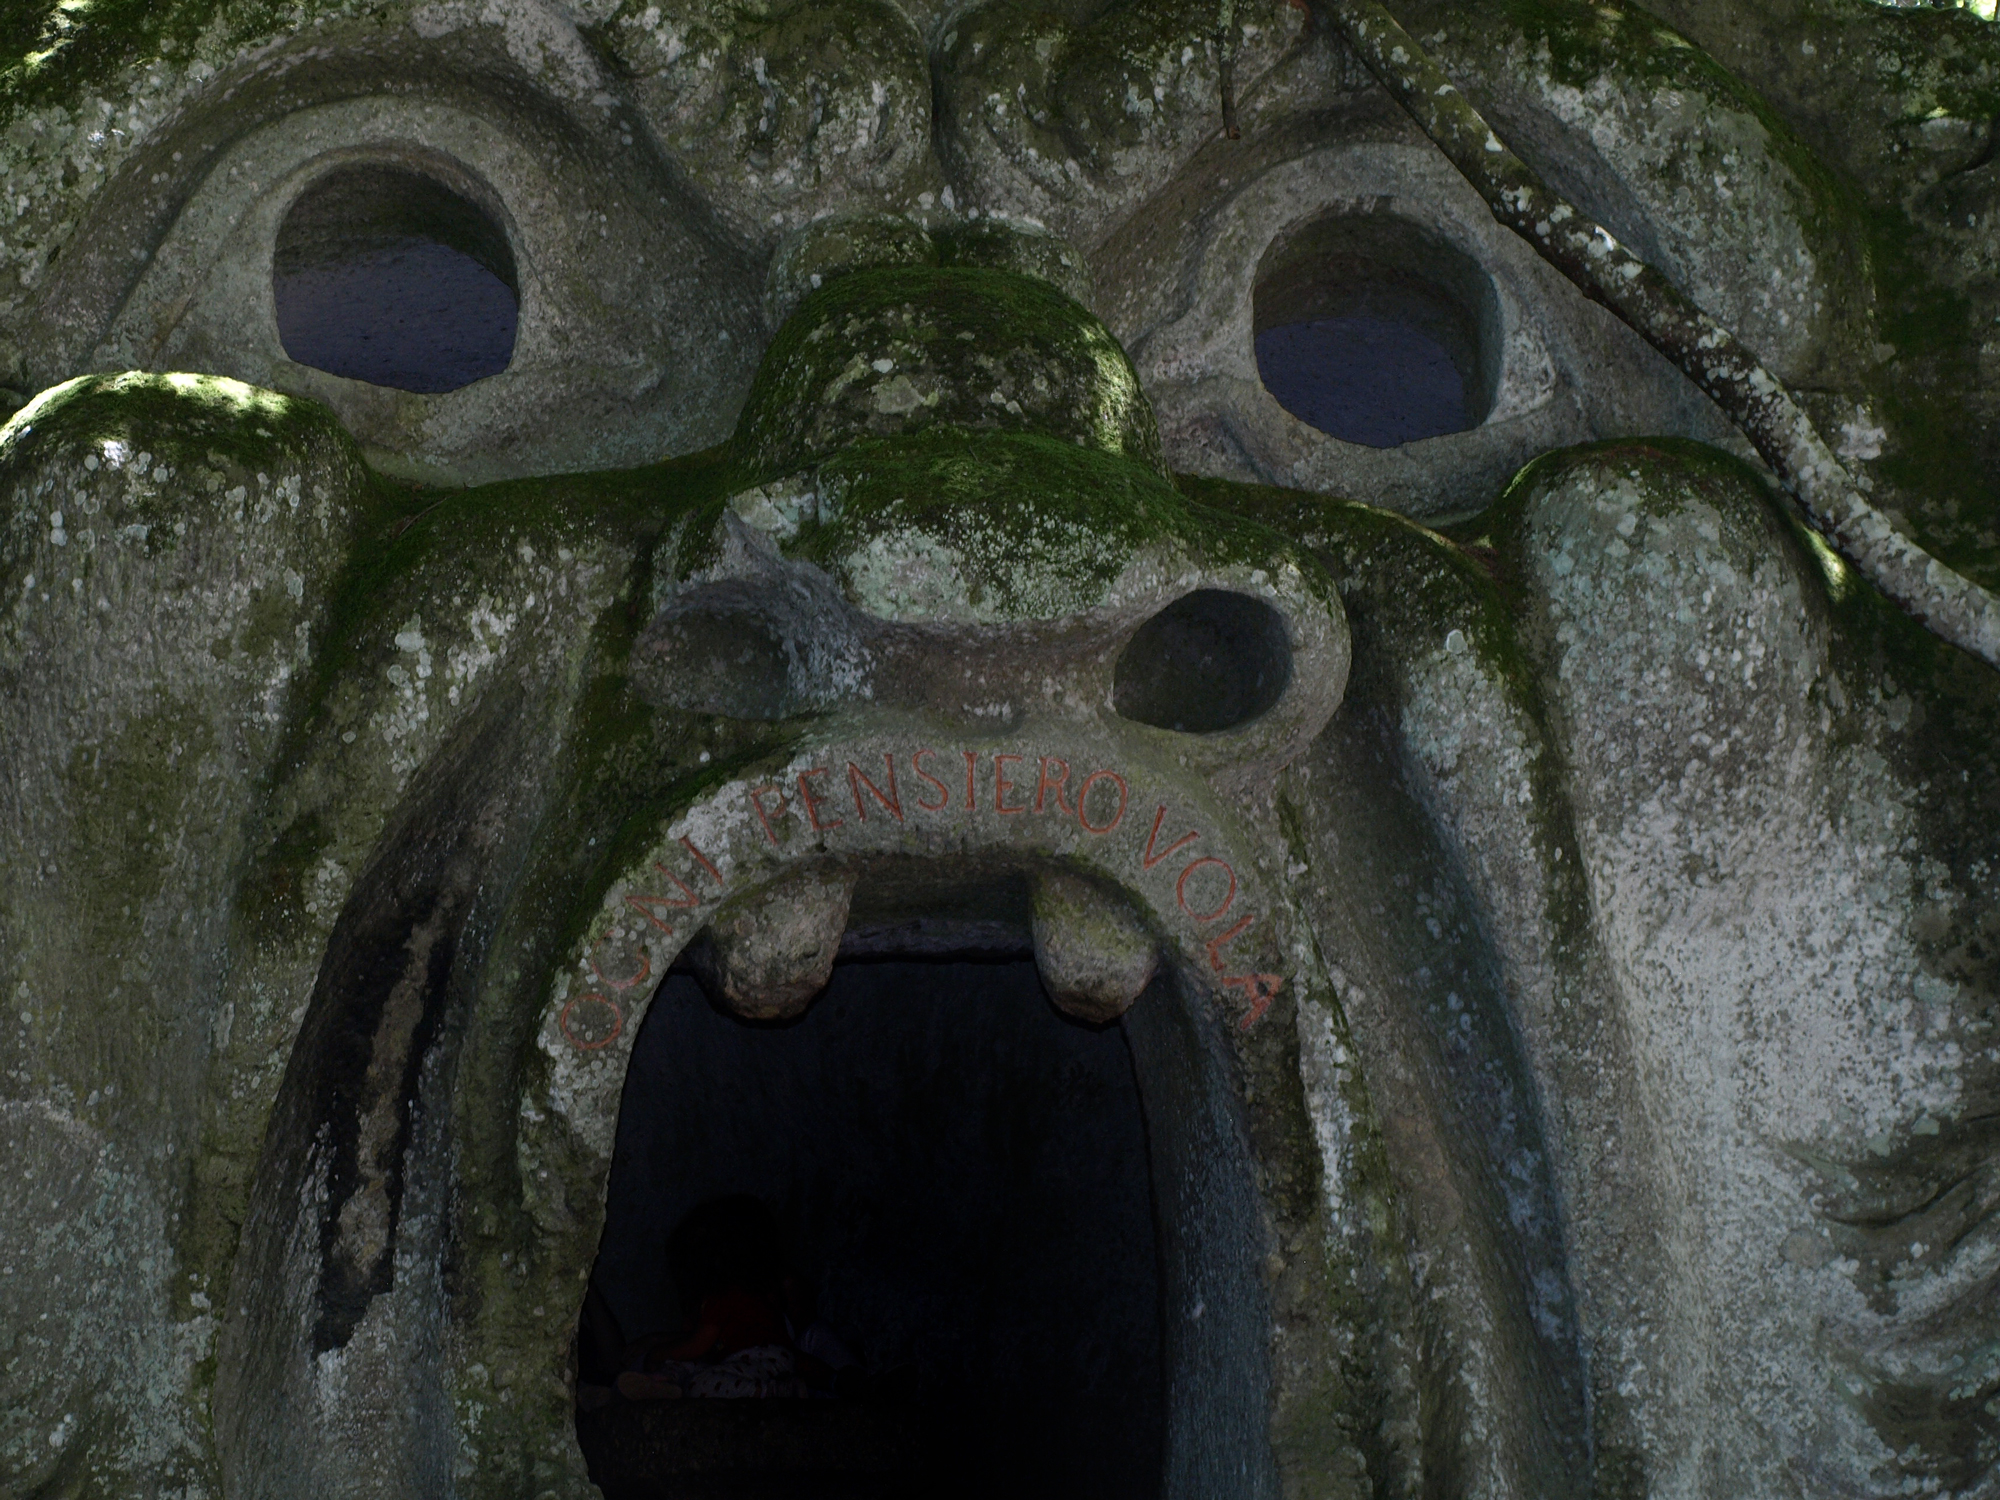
{"points": [[961, 1175], [1375, 331], [1209, 661], [388, 276]]}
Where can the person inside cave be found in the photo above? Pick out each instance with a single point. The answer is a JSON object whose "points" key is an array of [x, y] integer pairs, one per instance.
{"points": [[754, 1328], [727, 1261]]}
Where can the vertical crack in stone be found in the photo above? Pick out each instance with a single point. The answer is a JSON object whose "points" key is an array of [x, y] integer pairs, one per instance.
{"points": [[366, 1224], [385, 987], [374, 1113]]}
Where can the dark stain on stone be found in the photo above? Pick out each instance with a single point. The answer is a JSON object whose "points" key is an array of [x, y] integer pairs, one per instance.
{"points": [[384, 988]]}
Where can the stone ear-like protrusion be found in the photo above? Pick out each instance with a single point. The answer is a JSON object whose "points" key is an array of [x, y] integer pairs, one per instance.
{"points": [[766, 958], [1094, 953]]}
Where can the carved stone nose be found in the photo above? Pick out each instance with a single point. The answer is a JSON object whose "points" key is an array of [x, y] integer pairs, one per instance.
{"points": [[940, 535], [1226, 662], [964, 512]]}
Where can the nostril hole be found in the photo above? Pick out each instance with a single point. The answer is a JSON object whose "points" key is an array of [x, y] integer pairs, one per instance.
{"points": [[1211, 660], [388, 276]]}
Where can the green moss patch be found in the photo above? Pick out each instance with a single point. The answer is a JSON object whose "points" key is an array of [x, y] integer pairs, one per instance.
{"points": [[53, 51], [901, 349], [1942, 454], [1006, 526], [423, 540], [1033, 526], [185, 417]]}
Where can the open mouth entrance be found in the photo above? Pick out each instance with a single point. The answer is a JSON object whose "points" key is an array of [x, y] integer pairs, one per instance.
{"points": [[958, 1186]]}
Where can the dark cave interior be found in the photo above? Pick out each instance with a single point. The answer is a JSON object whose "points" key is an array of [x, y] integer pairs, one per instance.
{"points": [[962, 1173]]}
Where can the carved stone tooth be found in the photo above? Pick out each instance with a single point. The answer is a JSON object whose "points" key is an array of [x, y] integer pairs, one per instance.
{"points": [[1094, 953], [766, 958]]}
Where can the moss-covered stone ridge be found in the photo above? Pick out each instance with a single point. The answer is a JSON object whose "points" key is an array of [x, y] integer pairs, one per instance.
{"points": [[836, 244], [474, 702], [1439, 780], [1018, 527], [898, 350]]}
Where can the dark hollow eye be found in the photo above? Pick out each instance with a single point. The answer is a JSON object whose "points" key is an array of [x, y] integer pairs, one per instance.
{"points": [[1376, 332], [388, 276], [1211, 660]]}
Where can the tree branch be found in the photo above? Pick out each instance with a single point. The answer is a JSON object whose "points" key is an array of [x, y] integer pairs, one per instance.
{"points": [[1945, 601], [1225, 65]]}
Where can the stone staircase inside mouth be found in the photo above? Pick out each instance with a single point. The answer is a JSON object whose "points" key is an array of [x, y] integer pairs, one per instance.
{"points": [[760, 1450]]}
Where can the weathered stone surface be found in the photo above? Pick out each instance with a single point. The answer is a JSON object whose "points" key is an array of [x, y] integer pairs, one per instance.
{"points": [[1557, 958], [766, 958], [883, 352], [1647, 135], [1419, 843], [782, 112], [170, 553], [1078, 119], [833, 246], [1747, 811], [92, 1330]]}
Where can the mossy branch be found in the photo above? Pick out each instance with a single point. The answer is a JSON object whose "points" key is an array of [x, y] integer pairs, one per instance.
{"points": [[1225, 65], [1947, 603]]}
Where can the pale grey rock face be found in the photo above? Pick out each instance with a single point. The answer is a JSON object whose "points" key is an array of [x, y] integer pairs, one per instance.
{"points": [[1749, 828], [1556, 956]]}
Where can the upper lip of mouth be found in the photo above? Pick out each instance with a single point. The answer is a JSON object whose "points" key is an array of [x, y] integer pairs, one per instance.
{"points": [[767, 954]]}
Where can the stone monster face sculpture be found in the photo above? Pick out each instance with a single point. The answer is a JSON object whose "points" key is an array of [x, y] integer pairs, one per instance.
{"points": [[1555, 941]]}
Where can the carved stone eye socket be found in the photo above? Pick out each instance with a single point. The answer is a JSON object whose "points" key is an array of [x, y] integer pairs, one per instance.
{"points": [[1375, 331], [1211, 660], [386, 275]]}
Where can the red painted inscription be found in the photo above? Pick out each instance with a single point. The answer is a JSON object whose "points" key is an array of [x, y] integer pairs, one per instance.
{"points": [[1205, 889], [592, 1021], [943, 791], [1110, 778], [892, 800], [1002, 785], [814, 801], [1055, 783]]}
